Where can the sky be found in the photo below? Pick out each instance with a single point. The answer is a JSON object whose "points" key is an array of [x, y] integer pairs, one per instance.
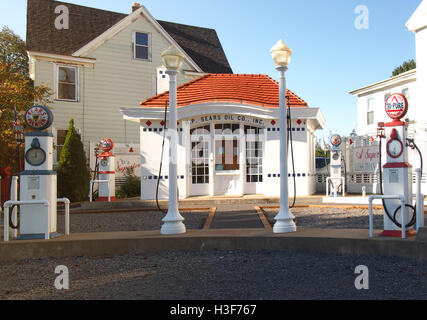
{"points": [[332, 54]]}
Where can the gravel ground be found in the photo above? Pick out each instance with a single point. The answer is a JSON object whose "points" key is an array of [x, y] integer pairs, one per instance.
{"points": [[331, 218], [129, 221], [216, 276]]}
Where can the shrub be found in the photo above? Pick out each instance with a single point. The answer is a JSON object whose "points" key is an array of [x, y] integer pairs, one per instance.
{"points": [[73, 173], [131, 187]]}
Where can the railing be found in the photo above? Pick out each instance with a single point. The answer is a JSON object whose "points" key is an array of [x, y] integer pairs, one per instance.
{"points": [[99, 181], [335, 189], [9, 204], [371, 212]]}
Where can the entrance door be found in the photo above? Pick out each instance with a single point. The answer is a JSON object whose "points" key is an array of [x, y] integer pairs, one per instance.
{"points": [[227, 159], [254, 179], [200, 161]]}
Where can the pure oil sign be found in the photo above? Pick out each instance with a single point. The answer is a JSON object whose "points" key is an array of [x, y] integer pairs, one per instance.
{"points": [[365, 160]]}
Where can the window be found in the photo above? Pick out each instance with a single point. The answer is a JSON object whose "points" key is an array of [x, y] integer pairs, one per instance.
{"points": [[60, 140], [405, 92], [370, 112], [386, 96], [67, 83], [141, 46], [227, 155]]}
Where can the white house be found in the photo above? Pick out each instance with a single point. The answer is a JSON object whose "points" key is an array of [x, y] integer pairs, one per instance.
{"points": [[95, 61], [228, 144]]}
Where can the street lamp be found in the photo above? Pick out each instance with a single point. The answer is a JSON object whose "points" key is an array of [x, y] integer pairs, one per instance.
{"points": [[173, 221], [285, 219]]}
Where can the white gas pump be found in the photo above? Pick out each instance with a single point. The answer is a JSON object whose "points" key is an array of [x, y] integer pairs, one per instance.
{"points": [[38, 180], [335, 184], [107, 171], [397, 172]]}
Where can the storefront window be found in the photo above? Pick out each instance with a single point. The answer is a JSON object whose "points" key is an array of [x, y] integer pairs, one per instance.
{"points": [[227, 155]]}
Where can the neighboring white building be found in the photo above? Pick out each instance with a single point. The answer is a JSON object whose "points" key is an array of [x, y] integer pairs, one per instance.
{"points": [[103, 60], [228, 129], [371, 111], [371, 101]]}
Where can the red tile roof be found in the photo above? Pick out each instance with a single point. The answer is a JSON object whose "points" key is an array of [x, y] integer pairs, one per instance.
{"points": [[258, 90]]}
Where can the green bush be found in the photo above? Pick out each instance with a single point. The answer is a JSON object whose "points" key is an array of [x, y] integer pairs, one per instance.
{"points": [[73, 173], [131, 187]]}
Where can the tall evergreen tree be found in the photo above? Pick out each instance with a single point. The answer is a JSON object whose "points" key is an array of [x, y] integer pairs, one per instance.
{"points": [[73, 173], [406, 66]]}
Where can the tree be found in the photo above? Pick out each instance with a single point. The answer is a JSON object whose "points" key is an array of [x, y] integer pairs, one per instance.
{"points": [[17, 91], [73, 173], [13, 52], [406, 66]]}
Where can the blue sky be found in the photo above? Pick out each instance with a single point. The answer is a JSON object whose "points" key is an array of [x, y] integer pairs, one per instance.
{"points": [[330, 55]]}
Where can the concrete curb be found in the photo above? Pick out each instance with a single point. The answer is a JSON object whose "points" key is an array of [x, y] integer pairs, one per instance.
{"points": [[349, 241]]}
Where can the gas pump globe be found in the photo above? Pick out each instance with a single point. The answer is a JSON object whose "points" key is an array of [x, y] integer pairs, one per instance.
{"points": [[38, 180], [336, 181], [397, 171], [107, 171]]}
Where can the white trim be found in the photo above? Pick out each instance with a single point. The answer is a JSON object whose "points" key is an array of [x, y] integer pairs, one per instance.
{"points": [[138, 114], [56, 58], [407, 76], [77, 75], [418, 20], [111, 32]]}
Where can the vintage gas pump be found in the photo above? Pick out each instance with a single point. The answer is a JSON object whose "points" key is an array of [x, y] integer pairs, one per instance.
{"points": [[397, 173], [107, 171], [336, 182], [38, 181]]}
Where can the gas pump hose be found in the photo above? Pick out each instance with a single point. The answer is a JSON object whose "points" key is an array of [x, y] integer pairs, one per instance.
{"points": [[161, 161], [292, 155]]}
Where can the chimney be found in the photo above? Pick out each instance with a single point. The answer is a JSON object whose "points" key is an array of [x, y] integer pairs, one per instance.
{"points": [[136, 6]]}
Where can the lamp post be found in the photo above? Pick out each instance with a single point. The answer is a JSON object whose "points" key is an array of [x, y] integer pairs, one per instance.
{"points": [[173, 221], [285, 219]]}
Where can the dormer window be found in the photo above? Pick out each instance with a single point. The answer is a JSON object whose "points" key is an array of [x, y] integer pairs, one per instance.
{"points": [[141, 46]]}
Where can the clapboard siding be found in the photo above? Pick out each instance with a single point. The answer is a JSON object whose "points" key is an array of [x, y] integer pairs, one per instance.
{"points": [[116, 80]]}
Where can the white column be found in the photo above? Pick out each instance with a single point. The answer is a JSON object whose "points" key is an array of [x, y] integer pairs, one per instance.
{"points": [[285, 219], [173, 221]]}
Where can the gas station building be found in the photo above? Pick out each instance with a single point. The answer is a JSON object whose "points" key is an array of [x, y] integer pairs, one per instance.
{"points": [[228, 138]]}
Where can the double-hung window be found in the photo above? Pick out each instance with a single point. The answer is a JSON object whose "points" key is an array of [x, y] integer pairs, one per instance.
{"points": [[141, 46], [67, 84], [370, 112]]}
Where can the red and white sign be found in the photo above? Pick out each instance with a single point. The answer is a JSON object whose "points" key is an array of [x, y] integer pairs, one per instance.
{"points": [[396, 106], [336, 140]]}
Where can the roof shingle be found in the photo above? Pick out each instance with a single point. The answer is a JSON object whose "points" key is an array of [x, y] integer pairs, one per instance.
{"points": [[259, 90], [86, 24]]}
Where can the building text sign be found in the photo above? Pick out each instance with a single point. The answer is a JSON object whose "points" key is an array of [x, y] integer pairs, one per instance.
{"points": [[366, 159], [228, 117]]}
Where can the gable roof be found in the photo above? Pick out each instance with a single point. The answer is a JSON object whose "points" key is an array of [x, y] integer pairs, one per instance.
{"points": [[418, 19], [258, 90], [86, 24]]}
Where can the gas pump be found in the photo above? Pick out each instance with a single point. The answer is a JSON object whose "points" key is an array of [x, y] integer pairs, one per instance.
{"points": [[397, 172], [336, 181], [107, 171], [38, 180]]}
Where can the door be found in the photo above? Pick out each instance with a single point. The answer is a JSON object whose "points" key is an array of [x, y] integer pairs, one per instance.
{"points": [[255, 142], [200, 161]]}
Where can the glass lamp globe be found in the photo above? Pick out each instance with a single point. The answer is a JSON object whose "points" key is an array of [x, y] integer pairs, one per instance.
{"points": [[281, 54], [172, 58]]}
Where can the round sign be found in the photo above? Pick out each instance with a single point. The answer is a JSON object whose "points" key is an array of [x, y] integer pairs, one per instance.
{"points": [[39, 117], [336, 140], [396, 106], [395, 148], [106, 145]]}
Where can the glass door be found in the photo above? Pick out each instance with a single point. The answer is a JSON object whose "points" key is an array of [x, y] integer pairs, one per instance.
{"points": [[200, 160]]}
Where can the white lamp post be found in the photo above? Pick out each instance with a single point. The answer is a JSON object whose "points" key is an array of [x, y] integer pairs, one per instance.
{"points": [[285, 219], [173, 221]]}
